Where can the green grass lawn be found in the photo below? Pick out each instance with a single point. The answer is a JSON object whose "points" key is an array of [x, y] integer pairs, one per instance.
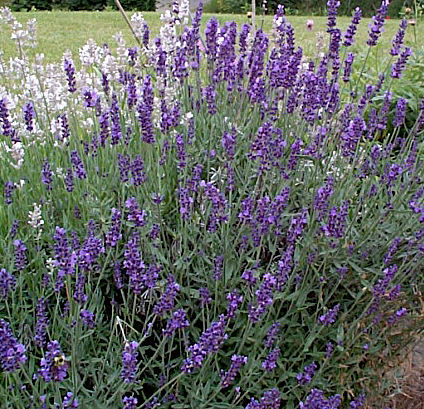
{"points": [[61, 30]]}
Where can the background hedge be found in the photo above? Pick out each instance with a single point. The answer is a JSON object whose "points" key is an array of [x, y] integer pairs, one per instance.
{"points": [[21, 5]]}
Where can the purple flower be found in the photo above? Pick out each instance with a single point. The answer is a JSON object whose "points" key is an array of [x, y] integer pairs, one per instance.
{"points": [[210, 97], [205, 297], [20, 257], [358, 402], [134, 263], [351, 30], [47, 175], [330, 317], [401, 106], [178, 321], [79, 296], [321, 199], [391, 251], [78, 165], [88, 319], [70, 75], [271, 360], [167, 300], [29, 115], [219, 212], [336, 223], [306, 376], [332, 7], [129, 362], [352, 135], [116, 130], [272, 334], [135, 214], [117, 275], [12, 353], [137, 170], [90, 251], [316, 400], [42, 323], [7, 283], [114, 234], [397, 42], [217, 269], [209, 342], [65, 260], [91, 99], [227, 378], [9, 188], [53, 367], [348, 66], [129, 402], [69, 180], [377, 23], [234, 300], [124, 165], [211, 32], [329, 350], [264, 298], [400, 65], [5, 121], [145, 110], [270, 400], [69, 402]]}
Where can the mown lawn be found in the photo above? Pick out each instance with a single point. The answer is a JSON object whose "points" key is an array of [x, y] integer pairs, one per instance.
{"points": [[61, 30]]}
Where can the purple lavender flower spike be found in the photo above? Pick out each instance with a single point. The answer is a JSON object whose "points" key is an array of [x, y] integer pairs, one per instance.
{"points": [[167, 300], [351, 30], [69, 401], [227, 378], [336, 223], [129, 362], [29, 115], [235, 299], [272, 334], [306, 376], [316, 400], [42, 323], [53, 367], [400, 65], [397, 42], [137, 171], [114, 234], [20, 256], [330, 317], [130, 402], [209, 342], [7, 283], [178, 321], [271, 360], [70, 75], [116, 130], [401, 106], [205, 297], [47, 175], [264, 298], [9, 188], [5, 121], [79, 296], [88, 319], [332, 7], [79, 168], [134, 263], [12, 353], [136, 215], [358, 403], [377, 23], [145, 110], [348, 66]]}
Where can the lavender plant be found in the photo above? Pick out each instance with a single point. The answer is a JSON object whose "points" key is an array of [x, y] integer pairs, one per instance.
{"points": [[205, 220]]}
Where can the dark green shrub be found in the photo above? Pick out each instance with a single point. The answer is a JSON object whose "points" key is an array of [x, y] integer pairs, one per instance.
{"points": [[20, 5], [141, 5]]}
